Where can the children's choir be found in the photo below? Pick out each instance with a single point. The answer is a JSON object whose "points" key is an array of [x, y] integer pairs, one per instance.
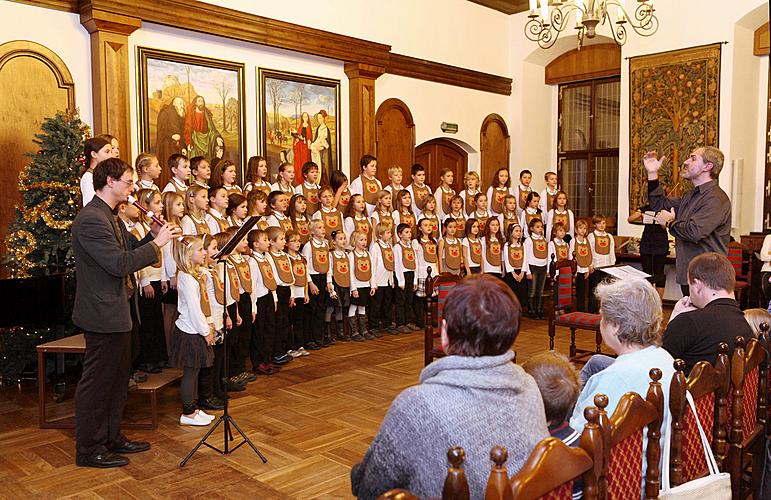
{"points": [[326, 264]]}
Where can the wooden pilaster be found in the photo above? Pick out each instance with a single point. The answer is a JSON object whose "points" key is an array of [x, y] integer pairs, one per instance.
{"points": [[361, 91]]}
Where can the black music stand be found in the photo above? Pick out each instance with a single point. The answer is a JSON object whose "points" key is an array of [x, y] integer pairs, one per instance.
{"points": [[225, 418]]}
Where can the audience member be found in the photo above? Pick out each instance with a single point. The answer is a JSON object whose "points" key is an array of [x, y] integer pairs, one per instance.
{"points": [[756, 317], [475, 397], [709, 315]]}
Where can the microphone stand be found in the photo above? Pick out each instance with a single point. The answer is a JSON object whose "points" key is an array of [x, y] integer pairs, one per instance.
{"points": [[225, 419]]}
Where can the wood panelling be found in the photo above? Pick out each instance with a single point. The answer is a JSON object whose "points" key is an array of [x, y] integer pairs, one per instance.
{"points": [[64, 5], [34, 84], [110, 73], [361, 95], [437, 154], [394, 138], [589, 63], [423, 69], [505, 6], [493, 146], [762, 46]]}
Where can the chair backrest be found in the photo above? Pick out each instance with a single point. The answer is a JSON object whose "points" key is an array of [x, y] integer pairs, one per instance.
{"points": [[564, 271], [397, 494], [736, 256], [707, 384], [748, 391], [442, 285], [625, 437]]}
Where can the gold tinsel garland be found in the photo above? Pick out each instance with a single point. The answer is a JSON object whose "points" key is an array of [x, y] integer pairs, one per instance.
{"points": [[41, 210], [20, 244]]}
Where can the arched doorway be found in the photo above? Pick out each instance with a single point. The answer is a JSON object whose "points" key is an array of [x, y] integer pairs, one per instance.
{"points": [[437, 154], [394, 139], [493, 146]]}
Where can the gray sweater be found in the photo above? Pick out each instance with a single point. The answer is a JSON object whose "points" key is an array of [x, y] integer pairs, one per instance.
{"points": [[473, 402]]}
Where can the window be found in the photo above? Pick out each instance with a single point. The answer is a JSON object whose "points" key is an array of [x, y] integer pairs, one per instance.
{"points": [[588, 146]]}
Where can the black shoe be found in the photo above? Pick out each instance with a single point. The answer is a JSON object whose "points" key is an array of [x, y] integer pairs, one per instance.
{"points": [[103, 461], [312, 346], [248, 376], [342, 338], [211, 404], [131, 447], [234, 387], [282, 360], [357, 338], [150, 369], [139, 377]]}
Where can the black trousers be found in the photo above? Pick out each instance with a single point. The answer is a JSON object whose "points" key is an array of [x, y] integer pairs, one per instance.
{"points": [[298, 317], [654, 265], [766, 287], [101, 394], [404, 298], [594, 279], [243, 335], [263, 344], [582, 297], [281, 343], [152, 339], [318, 306], [381, 307], [536, 285], [518, 287]]}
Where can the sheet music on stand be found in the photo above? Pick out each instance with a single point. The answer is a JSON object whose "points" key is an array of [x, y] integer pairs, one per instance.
{"points": [[623, 272]]}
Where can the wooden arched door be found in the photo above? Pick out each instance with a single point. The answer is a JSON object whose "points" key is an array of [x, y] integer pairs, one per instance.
{"points": [[394, 139], [493, 147], [34, 84], [437, 154]]}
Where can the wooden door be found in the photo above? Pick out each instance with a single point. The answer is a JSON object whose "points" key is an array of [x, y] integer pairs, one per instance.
{"points": [[437, 154], [494, 147], [34, 84], [394, 139]]}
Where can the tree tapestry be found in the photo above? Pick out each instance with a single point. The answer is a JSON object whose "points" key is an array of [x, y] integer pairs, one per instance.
{"points": [[674, 100]]}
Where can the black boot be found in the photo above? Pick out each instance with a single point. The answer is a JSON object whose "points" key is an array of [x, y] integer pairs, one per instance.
{"points": [[531, 312], [325, 336], [340, 335], [539, 307], [363, 327], [354, 329]]}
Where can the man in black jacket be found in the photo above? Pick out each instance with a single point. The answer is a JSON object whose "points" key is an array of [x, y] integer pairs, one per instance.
{"points": [[709, 315], [106, 257]]}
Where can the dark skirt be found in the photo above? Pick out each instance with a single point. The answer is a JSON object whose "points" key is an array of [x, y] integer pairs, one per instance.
{"points": [[170, 297], [362, 299], [343, 299], [190, 350]]}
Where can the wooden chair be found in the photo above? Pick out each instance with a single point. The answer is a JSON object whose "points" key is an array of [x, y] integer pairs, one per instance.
{"points": [[623, 439], [708, 386], [552, 468], [562, 312], [442, 284], [740, 260], [455, 484], [746, 427]]}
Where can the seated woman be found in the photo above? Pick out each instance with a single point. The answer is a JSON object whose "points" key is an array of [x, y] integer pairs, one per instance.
{"points": [[475, 397], [630, 311]]}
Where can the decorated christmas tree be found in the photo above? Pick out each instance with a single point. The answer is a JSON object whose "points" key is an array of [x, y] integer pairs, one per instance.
{"points": [[39, 239]]}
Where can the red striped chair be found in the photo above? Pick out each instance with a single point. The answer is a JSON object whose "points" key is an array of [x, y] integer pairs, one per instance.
{"points": [[562, 312], [747, 418], [708, 386], [442, 285], [624, 478], [740, 261]]}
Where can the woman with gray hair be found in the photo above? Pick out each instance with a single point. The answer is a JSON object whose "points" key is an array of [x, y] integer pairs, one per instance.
{"points": [[630, 324]]}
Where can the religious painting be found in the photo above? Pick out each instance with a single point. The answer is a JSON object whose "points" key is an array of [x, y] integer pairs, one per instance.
{"points": [[674, 100], [300, 120], [191, 105]]}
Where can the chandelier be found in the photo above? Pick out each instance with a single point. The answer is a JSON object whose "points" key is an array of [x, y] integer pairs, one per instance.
{"points": [[547, 23]]}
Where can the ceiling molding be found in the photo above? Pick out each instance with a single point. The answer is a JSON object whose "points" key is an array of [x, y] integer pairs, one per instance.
{"points": [[423, 69], [505, 6]]}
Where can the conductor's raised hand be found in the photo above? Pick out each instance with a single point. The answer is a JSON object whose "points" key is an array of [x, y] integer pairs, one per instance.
{"points": [[653, 164], [166, 233]]}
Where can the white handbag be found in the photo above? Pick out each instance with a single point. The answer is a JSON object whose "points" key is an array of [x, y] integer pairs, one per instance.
{"points": [[715, 486]]}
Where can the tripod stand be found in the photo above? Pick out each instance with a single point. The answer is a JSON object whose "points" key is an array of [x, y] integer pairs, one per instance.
{"points": [[225, 419]]}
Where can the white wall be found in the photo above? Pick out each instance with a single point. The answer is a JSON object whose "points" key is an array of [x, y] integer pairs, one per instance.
{"points": [[62, 33], [742, 93]]}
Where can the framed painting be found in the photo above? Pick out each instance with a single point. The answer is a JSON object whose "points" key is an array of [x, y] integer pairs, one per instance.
{"points": [[191, 105], [674, 108], [300, 121]]}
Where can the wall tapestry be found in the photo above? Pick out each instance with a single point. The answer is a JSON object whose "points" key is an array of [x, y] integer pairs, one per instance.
{"points": [[191, 105], [300, 121], [674, 101]]}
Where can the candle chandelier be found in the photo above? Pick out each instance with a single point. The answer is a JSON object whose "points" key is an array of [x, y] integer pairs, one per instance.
{"points": [[547, 20]]}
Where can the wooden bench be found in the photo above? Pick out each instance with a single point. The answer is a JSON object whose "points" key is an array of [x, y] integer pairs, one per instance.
{"points": [[76, 344]]}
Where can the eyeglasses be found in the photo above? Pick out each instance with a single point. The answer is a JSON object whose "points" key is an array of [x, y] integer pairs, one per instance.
{"points": [[129, 182]]}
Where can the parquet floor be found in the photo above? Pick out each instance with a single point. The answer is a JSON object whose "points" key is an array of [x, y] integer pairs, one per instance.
{"points": [[313, 421]]}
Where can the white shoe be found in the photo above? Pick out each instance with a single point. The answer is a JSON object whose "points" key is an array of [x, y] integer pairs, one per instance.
{"points": [[204, 416], [302, 352], [194, 420], [293, 353]]}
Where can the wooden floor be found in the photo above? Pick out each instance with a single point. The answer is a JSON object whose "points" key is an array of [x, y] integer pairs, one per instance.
{"points": [[313, 421]]}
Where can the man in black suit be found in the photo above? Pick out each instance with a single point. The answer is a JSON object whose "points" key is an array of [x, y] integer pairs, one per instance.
{"points": [[106, 256]]}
